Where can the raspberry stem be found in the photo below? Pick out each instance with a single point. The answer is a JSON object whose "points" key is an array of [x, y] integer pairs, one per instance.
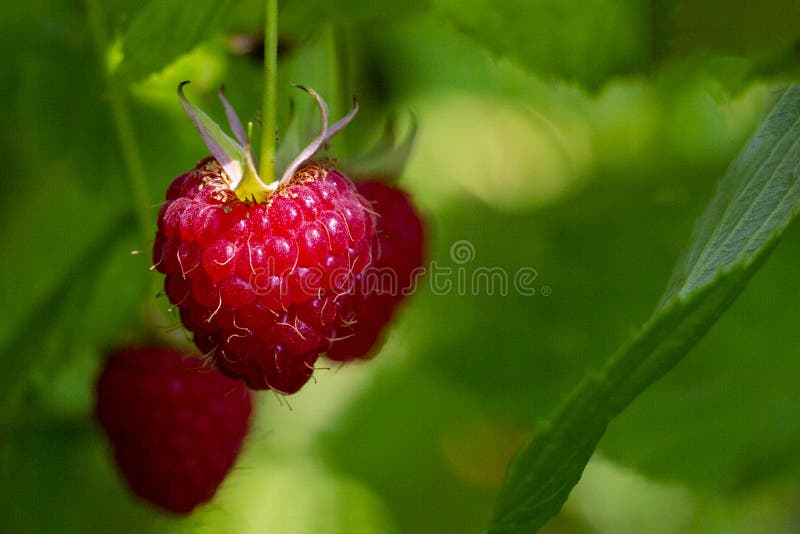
{"points": [[126, 134], [267, 156]]}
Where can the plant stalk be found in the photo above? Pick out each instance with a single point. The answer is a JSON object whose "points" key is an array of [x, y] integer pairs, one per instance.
{"points": [[268, 112], [123, 125]]}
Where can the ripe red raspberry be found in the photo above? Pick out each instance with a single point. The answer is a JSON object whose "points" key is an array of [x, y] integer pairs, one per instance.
{"points": [[259, 272], [398, 255], [260, 284], [174, 427]]}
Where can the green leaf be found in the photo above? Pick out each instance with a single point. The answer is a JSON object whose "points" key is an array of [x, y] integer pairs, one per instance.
{"points": [[163, 30], [36, 343], [735, 431], [755, 202], [585, 41]]}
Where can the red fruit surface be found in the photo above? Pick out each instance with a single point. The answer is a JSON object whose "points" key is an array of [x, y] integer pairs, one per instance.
{"points": [[260, 285], [175, 428], [398, 253]]}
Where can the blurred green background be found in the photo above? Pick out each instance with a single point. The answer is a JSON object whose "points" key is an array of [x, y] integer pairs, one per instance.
{"points": [[577, 139]]}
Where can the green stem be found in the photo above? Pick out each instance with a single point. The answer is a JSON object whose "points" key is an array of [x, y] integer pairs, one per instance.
{"points": [[267, 166], [341, 81], [334, 72], [126, 135]]}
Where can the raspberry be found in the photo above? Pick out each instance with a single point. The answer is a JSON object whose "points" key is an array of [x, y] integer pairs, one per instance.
{"points": [[398, 253], [259, 272], [259, 284], [175, 428]]}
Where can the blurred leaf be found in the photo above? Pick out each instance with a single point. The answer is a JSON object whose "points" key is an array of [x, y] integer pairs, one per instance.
{"points": [[53, 129], [755, 202], [738, 26], [100, 313], [309, 18], [163, 30], [395, 439], [573, 258], [521, 353], [71, 210], [615, 499], [737, 41], [584, 41], [25, 352], [60, 477], [770, 509], [663, 27], [301, 18], [67, 175]]}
